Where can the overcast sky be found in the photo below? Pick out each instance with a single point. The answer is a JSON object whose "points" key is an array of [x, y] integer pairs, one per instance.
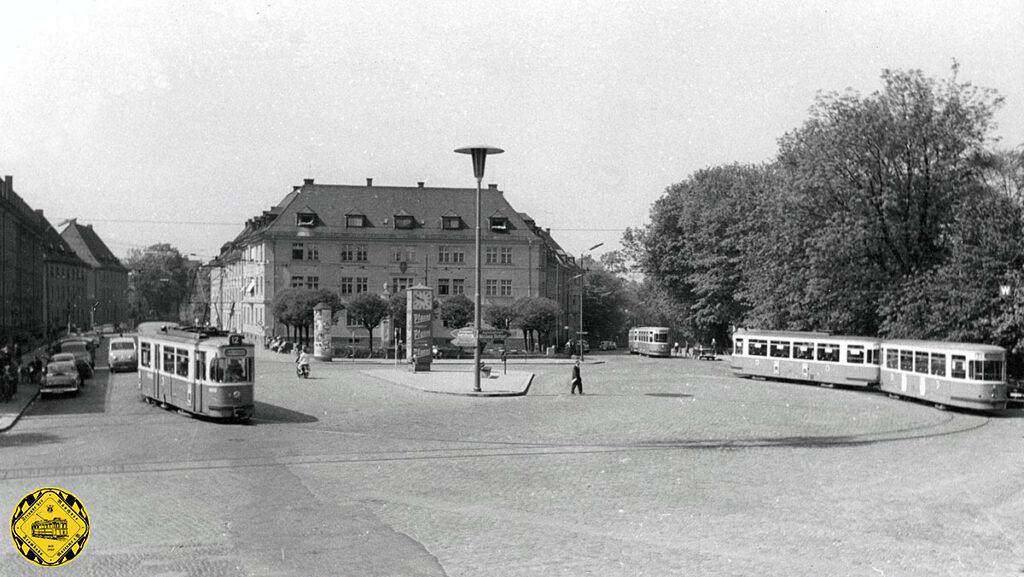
{"points": [[145, 118]]}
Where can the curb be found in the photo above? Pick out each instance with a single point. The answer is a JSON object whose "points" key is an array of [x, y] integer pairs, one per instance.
{"points": [[20, 412], [475, 394]]}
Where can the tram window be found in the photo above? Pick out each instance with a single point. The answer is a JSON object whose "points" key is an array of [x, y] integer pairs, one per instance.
{"points": [[758, 348], [828, 353], [737, 346], [235, 372], [217, 370], [803, 351], [906, 360], [938, 364], [958, 367], [873, 356], [920, 362], [201, 365], [892, 359], [144, 354], [855, 354], [987, 370], [168, 366], [661, 337], [780, 349], [181, 356]]}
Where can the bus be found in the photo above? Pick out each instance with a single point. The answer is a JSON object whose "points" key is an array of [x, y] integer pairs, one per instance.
{"points": [[946, 374], [198, 370], [815, 357], [650, 341]]}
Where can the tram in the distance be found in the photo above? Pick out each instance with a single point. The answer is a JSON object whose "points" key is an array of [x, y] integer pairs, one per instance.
{"points": [[650, 341], [198, 370]]}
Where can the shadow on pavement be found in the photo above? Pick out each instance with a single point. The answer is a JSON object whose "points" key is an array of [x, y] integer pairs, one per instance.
{"points": [[267, 413], [20, 439], [92, 398]]}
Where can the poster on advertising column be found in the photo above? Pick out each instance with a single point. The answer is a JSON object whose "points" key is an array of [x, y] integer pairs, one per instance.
{"points": [[419, 321]]}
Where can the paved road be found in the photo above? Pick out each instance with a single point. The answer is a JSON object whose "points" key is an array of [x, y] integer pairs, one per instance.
{"points": [[664, 467]]}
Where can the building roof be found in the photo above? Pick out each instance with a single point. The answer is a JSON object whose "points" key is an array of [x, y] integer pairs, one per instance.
{"points": [[333, 203], [88, 246], [56, 249]]}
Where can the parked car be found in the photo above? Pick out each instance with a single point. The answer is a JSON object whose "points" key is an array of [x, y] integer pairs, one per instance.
{"points": [[61, 377], [82, 348], [608, 346], [84, 368], [122, 354]]}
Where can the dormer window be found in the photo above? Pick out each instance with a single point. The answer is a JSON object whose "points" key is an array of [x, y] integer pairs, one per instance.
{"points": [[355, 221], [405, 221], [306, 219], [499, 224], [451, 223]]}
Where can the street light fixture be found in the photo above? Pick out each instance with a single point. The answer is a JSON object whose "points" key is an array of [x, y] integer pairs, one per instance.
{"points": [[582, 286], [479, 154]]}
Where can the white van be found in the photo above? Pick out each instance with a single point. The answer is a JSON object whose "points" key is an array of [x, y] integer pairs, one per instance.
{"points": [[123, 354]]}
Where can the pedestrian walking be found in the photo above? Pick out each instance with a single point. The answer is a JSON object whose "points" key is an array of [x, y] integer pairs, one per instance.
{"points": [[504, 362], [577, 380]]}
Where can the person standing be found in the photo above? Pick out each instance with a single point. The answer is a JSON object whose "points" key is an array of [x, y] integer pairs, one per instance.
{"points": [[577, 380]]}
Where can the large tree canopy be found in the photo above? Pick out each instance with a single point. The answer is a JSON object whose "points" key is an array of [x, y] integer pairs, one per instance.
{"points": [[161, 281]]}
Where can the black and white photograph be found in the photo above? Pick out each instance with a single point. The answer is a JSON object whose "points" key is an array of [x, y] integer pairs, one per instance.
{"points": [[475, 288]]}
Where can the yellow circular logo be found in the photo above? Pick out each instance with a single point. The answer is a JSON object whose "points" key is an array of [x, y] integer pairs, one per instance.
{"points": [[50, 526]]}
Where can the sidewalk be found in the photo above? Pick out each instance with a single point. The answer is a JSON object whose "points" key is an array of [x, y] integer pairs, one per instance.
{"points": [[455, 382], [11, 411]]}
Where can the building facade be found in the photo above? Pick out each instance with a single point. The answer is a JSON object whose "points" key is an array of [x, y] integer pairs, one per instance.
{"points": [[106, 279], [381, 240], [65, 279], [21, 267]]}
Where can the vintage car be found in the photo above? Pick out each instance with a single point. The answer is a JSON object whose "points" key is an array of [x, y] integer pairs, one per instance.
{"points": [[122, 354], [83, 367], [61, 377]]}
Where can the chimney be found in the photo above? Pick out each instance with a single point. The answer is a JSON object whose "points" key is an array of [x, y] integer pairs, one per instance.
{"points": [[420, 184], [8, 185], [492, 187], [307, 181], [369, 182]]}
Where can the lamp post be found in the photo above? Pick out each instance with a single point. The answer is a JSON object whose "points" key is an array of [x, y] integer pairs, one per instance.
{"points": [[582, 277], [479, 154]]}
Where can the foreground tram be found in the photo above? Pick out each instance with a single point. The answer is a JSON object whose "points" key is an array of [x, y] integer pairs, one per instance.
{"points": [[200, 371], [806, 356], [650, 341], [946, 374]]}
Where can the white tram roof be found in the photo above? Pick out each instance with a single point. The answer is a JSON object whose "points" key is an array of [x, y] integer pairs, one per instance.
{"points": [[942, 346], [178, 333], [801, 336]]}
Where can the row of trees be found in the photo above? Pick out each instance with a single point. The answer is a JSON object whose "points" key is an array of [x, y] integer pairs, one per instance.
{"points": [[890, 214]]}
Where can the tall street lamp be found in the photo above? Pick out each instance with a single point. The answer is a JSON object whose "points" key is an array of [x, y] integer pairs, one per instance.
{"points": [[479, 154], [582, 277]]}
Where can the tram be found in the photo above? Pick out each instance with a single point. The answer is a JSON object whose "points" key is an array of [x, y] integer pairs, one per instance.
{"points": [[198, 370], [650, 341], [806, 356], [946, 374]]}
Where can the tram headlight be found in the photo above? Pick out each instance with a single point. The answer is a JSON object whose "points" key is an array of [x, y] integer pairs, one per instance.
{"points": [[236, 394]]}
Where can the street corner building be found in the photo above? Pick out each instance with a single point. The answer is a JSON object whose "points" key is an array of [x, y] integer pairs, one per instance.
{"points": [[46, 284], [354, 239]]}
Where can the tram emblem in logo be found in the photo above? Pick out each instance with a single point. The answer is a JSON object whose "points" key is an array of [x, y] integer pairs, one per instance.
{"points": [[50, 526]]}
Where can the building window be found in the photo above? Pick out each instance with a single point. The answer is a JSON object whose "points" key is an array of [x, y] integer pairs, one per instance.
{"points": [[499, 224], [506, 288], [458, 286], [444, 287], [491, 288], [298, 250], [400, 283], [491, 255], [451, 255], [305, 219], [312, 252], [404, 254], [506, 255], [297, 281], [404, 221], [355, 221], [346, 285], [353, 253], [361, 284], [451, 223], [313, 282], [351, 320]]}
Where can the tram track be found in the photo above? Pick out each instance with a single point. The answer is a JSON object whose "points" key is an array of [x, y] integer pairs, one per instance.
{"points": [[488, 450]]}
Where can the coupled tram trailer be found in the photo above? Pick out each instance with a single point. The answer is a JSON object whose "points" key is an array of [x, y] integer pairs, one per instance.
{"points": [[959, 375], [198, 370]]}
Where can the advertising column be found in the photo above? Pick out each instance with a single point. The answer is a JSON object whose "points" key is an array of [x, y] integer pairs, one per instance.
{"points": [[323, 350], [419, 322]]}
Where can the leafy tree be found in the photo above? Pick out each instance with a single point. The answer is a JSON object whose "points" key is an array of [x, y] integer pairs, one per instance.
{"points": [[536, 314], [500, 316], [368, 310], [294, 308], [457, 311], [604, 304], [162, 283]]}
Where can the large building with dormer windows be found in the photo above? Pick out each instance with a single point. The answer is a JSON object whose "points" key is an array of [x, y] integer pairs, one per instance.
{"points": [[382, 240]]}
